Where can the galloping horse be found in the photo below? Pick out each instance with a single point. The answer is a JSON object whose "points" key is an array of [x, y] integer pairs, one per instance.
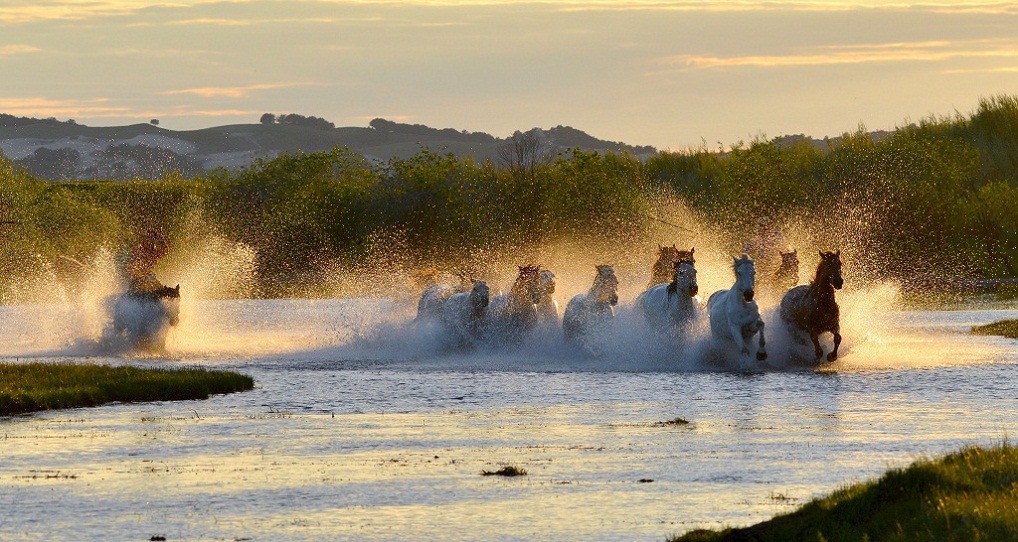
{"points": [[512, 315], [812, 309], [734, 315], [787, 275], [464, 313], [586, 313], [547, 307], [672, 306], [663, 269]]}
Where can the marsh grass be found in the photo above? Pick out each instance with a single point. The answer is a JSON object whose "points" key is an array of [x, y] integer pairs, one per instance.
{"points": [[971, 494], [33, 387], [1004, 328], [510, 470]]}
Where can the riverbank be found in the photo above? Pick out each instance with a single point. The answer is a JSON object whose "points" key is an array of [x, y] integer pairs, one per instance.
{"points": [[33, 387], [966, 495]]}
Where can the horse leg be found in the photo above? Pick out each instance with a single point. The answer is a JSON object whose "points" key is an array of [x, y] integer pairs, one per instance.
{"points": [[761, 353], [837, 342], [815, 337], [741, 343]]}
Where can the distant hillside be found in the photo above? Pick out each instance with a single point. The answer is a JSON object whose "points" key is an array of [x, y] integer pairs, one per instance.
{"points": [[61, 150]]}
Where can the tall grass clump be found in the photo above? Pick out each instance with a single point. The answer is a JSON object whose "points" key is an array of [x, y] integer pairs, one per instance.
{"points": [[968, 495], [33, 387]]}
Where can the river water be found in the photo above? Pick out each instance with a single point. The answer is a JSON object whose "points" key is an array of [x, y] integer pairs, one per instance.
{"points": [[364, 427]]}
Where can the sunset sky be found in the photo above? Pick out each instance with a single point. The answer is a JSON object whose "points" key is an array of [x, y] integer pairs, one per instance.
{"points": [[669, 74]]}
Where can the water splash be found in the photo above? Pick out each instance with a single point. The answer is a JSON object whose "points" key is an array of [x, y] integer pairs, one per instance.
{"points": [[365, 312]]}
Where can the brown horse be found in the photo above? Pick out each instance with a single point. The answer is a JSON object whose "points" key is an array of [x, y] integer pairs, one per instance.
{"points": [[662, 270], [812, 309], [512, 315]]}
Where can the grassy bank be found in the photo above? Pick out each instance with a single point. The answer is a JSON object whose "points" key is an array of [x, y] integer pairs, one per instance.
{"points": [[968, 495], [1004, 328], [45, 386]]}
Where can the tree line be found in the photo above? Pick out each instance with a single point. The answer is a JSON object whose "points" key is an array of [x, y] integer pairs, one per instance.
{"points": [[934, 198]]}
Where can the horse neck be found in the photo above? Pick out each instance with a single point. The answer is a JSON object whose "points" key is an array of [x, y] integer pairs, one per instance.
{"points": [[821, 286]]}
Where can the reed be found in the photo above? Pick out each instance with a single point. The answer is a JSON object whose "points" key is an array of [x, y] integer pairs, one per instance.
{"points": [[966, 495], [32, 387]]}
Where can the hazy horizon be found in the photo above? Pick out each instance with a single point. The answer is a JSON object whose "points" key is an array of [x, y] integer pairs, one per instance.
{"points": [[668, 74]]}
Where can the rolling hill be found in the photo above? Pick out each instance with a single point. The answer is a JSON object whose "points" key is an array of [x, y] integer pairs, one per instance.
{"points": [[63, 150]]}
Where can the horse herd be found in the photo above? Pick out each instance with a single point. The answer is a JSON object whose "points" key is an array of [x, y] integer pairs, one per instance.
{"points": [[670, 305]]}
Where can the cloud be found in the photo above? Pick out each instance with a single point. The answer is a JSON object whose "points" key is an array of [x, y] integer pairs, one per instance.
{"points": [[16, 49], [236, 92], [274, 20], [929, 51], [45, 107]]}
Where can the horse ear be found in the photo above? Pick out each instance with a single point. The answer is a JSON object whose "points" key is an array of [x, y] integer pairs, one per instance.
{"points": [[821, 254], [692, 250], [838, 253]]}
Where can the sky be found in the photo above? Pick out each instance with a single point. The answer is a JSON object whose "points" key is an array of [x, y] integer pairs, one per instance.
{"points": [[674, 74]]}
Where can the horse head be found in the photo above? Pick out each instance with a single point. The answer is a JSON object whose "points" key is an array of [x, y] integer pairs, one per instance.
{"points": [[829, 269], [667, 253], [528, 284], [790, 259], [745, 276], [684, 279], [687, 255], [606, 285], [480, 295], [547, 282]]}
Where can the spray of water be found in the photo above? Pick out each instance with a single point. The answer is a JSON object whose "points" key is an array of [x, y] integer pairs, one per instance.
{"points": [[366, 311]]}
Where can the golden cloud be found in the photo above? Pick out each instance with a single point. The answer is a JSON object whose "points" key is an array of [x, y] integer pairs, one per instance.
{"points": [[17, 49], [930, 51], [236, 92]]}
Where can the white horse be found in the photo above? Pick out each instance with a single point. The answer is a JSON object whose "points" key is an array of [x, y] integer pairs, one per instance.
{"points": [[592, 311], [547, 307], [734, 315], [463, 313], [433, 298], [672, 306]]}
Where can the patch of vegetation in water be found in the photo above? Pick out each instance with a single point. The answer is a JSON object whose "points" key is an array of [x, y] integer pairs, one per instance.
{"points": [[971, 494], [33, 387], [1003, 328], [510, 470]]}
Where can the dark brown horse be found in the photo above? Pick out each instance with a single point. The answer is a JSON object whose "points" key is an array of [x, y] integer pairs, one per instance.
{"points": [[664, 267], [812, 309], [512, 315], [787, 275]]}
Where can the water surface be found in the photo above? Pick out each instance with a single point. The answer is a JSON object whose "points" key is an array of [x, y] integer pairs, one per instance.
{"points": [[361, 428]]}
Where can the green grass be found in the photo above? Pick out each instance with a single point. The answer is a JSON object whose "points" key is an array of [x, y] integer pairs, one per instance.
{"points": [[510, 470], [968, 495], [1004, 328], [32, 387]]}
